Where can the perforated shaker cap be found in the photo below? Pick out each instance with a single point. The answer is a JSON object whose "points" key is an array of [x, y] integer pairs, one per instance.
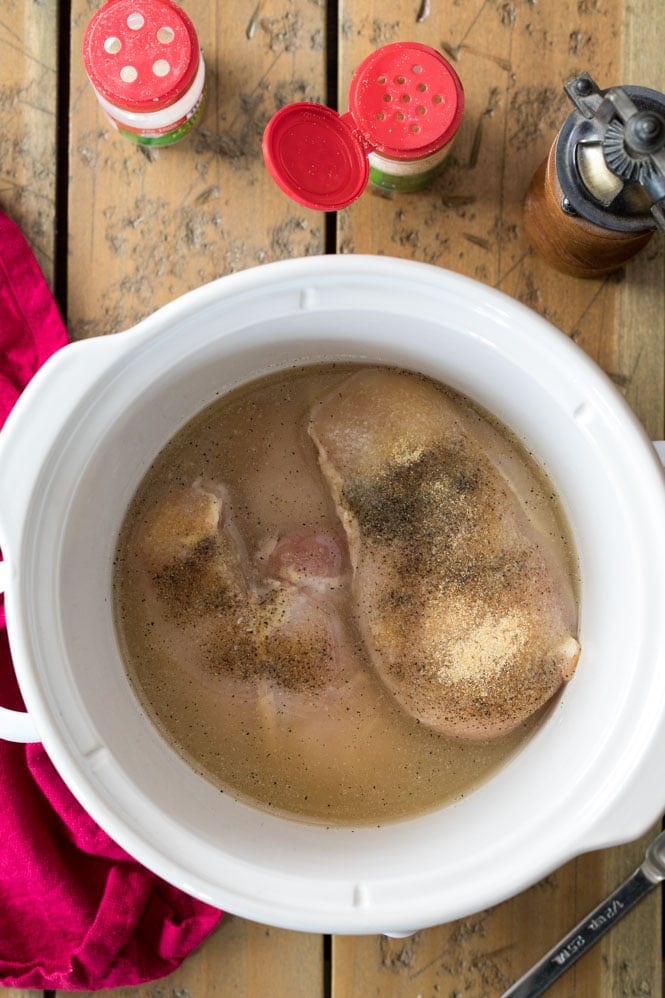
{"points": [[141, 55], [405, 102]]}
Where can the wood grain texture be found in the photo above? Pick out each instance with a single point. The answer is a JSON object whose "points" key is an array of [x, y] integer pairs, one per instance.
{"points": [[147, 225], [144, 227], [241, 960], [28, 101], [513, 58], [28, 96], [641, 319], [480, 956]]}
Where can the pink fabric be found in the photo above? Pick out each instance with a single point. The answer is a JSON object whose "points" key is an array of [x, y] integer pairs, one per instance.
{"points": [[76, 912]]}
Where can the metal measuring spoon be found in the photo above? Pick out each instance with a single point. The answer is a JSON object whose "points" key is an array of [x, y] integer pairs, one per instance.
{"points": [[596, 924]]}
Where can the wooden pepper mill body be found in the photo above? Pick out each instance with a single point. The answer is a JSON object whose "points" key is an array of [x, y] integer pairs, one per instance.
{"points": [[598, 197], [569, 242]]}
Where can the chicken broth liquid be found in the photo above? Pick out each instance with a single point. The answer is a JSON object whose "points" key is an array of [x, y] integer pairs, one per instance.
{"points": [[246, 651]]}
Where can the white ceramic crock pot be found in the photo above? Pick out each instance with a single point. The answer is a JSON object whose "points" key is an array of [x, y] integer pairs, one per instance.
{"points": [[76, 447]]}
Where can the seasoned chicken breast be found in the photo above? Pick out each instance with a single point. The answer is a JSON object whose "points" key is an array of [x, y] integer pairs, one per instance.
{"points": [[268, 626], [460, 581]]}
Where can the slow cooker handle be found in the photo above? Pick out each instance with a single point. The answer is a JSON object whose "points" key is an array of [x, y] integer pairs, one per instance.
{"points": [[65, 376], [15, 725]]}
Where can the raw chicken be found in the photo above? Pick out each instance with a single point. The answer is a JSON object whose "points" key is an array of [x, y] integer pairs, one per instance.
{"points": [[193, 553], [462, 593], [272, 624]]}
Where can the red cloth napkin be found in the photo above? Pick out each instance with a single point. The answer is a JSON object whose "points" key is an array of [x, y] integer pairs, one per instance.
{"points": [[76, 912]]}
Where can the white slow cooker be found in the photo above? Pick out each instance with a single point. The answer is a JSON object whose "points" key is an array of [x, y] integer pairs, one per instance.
{"points": [[71, 456]]}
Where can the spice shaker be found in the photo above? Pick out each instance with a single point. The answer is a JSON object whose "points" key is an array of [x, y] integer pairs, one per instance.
{"points": [[405, 106], [600, 194], [143, 60]]}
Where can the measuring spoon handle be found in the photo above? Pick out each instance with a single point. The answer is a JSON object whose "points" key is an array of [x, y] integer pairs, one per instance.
{"points": [[582, 937]]}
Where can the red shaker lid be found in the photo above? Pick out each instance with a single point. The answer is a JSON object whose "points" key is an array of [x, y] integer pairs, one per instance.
{"points": [[141, 55], [405, 100], [313, 155]]}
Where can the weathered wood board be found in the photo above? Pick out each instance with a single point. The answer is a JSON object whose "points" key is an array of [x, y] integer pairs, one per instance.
{"points": [[145, 227], [242, 960], [28, 102], [513, 58]]}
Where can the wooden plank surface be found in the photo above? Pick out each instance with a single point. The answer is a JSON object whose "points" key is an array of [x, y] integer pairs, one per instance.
{"points": [[641, 319], [241, 960], [144, 227], [147, 225], [28, 98], [483, 954], [513, 58]]}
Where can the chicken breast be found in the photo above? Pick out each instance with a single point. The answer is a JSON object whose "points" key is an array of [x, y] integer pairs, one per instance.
{"points": [[460, 581], [269, 622]]}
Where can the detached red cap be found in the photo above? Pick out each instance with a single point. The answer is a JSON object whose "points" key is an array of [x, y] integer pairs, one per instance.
{"points": [[313, 155], [405, 102], [141, 55]]}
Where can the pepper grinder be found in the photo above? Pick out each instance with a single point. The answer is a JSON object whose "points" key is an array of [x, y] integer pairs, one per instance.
{"points": [[600, 194]]}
